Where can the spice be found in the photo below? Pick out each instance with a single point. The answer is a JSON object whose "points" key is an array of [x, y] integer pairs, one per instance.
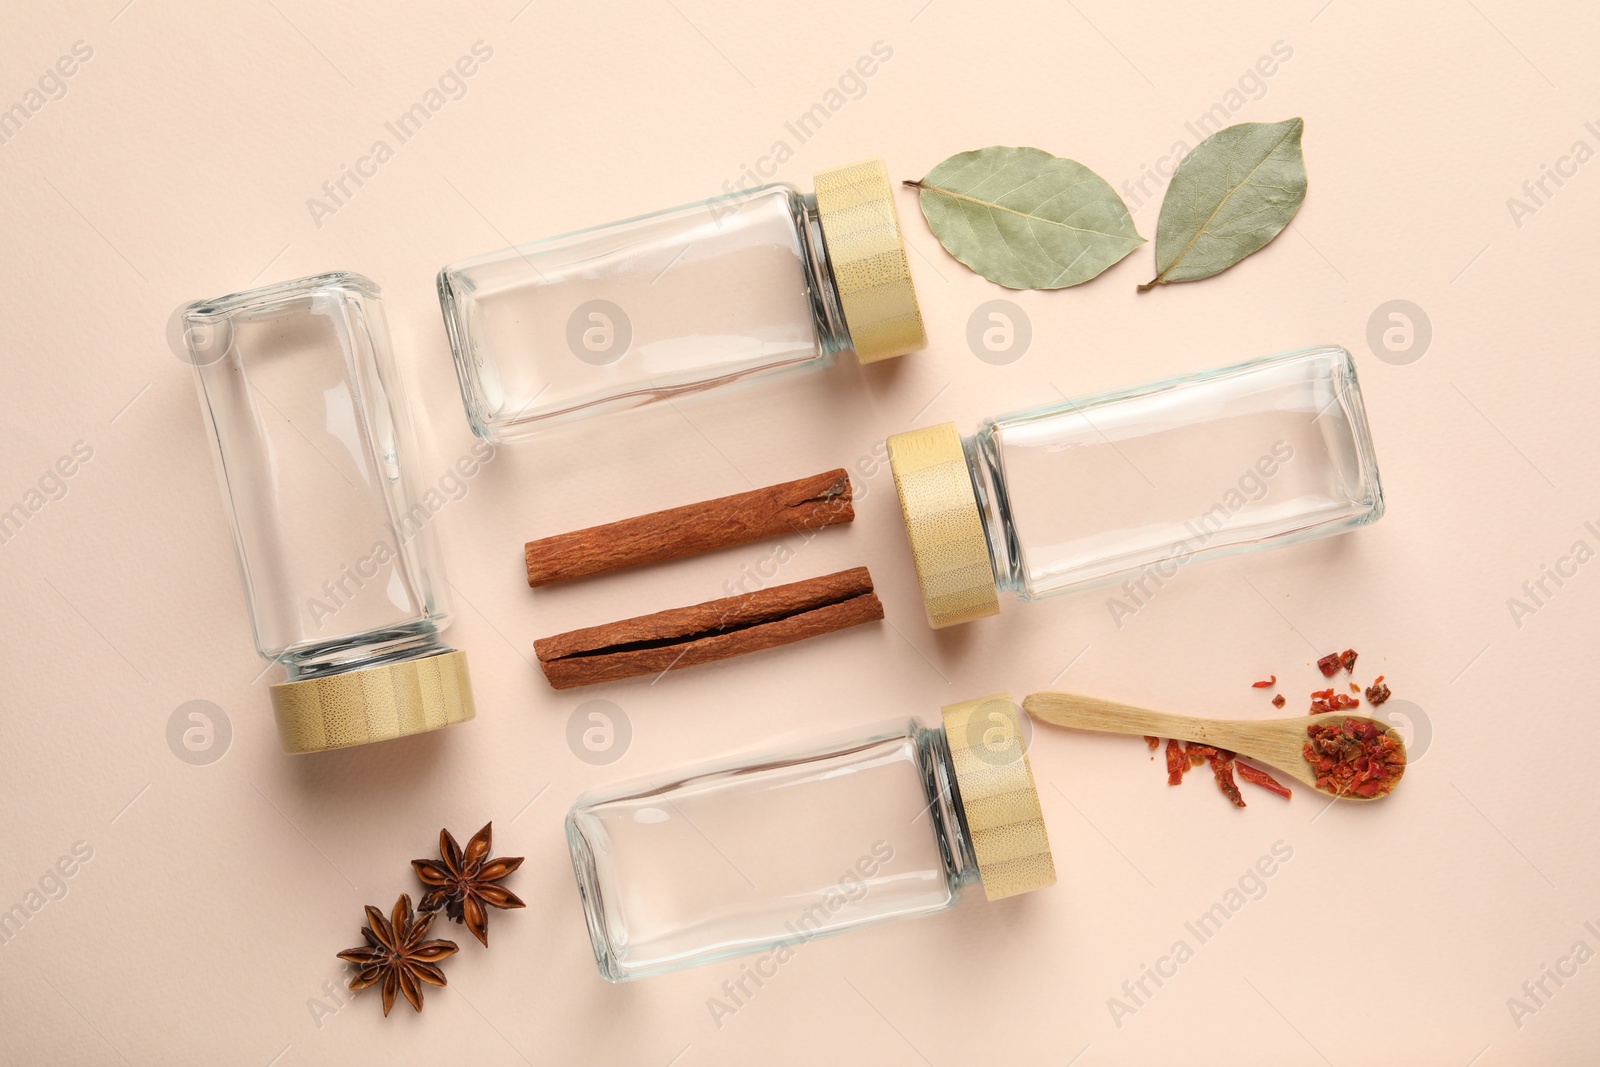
{"points": [[1223, 764], [1267, 684], [1152, 742], [773, 511], [683, 637], [1278, 701], [1263, 779], [463, 881], [1357, 757], [1048, 198], [1177, 763], [1326, 700], [397, 955], [1222, 769], [1377, 692], [1330, 664]]}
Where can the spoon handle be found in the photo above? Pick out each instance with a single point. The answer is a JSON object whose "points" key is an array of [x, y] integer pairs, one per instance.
{"points": [[1107, 716]]}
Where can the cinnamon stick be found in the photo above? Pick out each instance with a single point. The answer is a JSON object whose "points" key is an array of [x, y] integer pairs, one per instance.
{"points": [[682, 637], [803, 504]]}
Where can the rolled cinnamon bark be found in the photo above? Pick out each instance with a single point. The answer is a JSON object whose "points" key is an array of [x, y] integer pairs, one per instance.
{"points": [[703, 633], [803, 504]]}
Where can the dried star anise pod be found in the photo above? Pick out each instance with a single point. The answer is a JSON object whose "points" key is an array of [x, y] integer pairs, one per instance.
{"points": [[397, 954], [465, 881]]}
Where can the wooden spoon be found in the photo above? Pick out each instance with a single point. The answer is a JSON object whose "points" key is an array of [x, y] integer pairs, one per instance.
{"points": [[1279, 743]]}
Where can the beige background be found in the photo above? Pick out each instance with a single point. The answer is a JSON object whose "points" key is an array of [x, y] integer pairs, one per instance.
{"points": [[178, 165]]}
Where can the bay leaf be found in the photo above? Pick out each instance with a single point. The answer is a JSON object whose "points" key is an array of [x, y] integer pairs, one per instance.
{"points": [[1026, 219], [1235, 192]]}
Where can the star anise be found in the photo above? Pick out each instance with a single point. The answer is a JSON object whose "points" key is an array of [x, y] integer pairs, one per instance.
{"points": [[465, 881], [397, 955]]}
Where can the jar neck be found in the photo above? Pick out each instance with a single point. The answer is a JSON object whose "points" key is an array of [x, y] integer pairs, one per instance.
{"points": [[372, 649], [994, 508], [944, 808], [833, 335]]}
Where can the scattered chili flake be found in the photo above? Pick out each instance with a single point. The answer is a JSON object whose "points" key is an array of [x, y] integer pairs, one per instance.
{"points": [[1263, 779], [1354, 758], [1325, 700], [1347, 660], [1199, 753], [1329, 664], [1153, 742], [1278, 701], [1354, 688], [1268, 684], [1222, 769], [1377, 692], [1176, 763]]}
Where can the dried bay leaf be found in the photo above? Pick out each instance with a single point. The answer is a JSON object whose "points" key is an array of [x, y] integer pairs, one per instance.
{"points": [[1234, 193], [1026, 219]]}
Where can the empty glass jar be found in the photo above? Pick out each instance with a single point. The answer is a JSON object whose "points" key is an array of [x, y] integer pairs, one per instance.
{"points": [[681, 301], [1136, 482], [765, 853], [313, 444]]}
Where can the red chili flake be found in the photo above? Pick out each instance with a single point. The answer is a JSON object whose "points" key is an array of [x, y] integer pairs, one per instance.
{"points": [[1347, 660], [1199, 753], [1329, 664], [1278, 701], [1325, 700], [1263, 779], [1222, 769], [1353, 758], [1268, 684], [1377, 692], [1177, 763], [1153, 742]]}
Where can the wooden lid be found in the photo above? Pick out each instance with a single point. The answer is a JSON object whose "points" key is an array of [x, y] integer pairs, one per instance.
{"points": [[373, 703], [948, 544], [855, 206], [999, 798]]}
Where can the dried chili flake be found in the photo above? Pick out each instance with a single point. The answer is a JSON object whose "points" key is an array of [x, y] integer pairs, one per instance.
{"points": [[1278, 701], [1354, 688], [1177, 763], [1329, 664], [1377, 692], [1199, 753], [1325, 700], [1354, 758], [1152, 742], [1268, 684], [1347, 660], [1263, 779], [1222, 769]]}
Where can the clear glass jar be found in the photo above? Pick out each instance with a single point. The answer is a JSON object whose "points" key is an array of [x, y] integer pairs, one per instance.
{"points": [[681, 301], [765, 853], [1136, 482], [312, 442]]}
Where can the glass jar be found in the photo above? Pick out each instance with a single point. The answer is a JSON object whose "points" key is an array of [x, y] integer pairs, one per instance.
{"points": [[681, 301], [1136, 482], [765, 853], [312, 442]]}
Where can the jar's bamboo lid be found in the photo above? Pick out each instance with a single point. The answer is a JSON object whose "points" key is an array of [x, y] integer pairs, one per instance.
{"points": [[855, 206], [373, 703], [1001, 802], [943, 525]]}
